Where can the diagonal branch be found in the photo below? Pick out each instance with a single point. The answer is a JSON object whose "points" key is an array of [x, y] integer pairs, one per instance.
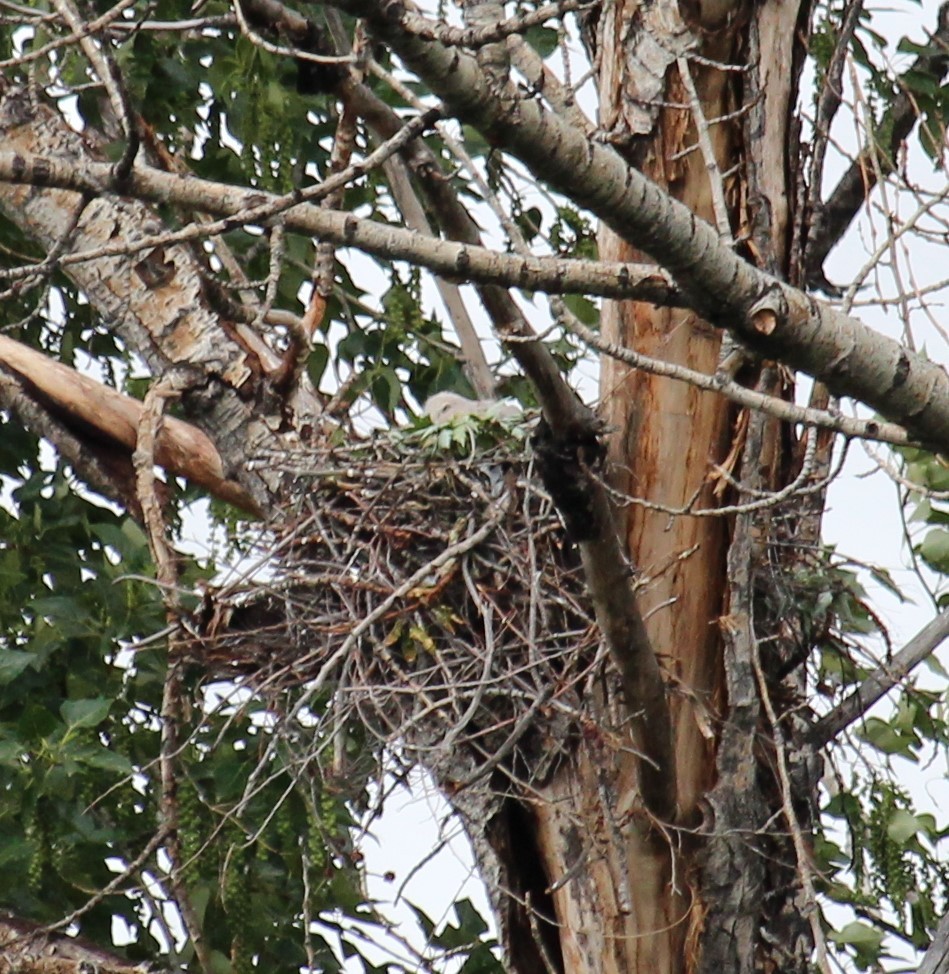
{"points": [[570, 444], [90, 410], [783, 322], [574, 427], [936, 958], [831, 96], [881, 681], [771, 317], [105, 470], [157, 299]]}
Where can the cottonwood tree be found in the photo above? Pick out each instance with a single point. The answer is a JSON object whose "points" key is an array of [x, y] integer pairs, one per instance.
{"points": [[237, 240]]}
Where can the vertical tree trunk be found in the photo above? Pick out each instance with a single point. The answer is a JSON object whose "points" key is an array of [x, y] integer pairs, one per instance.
{"points": [[613, 890]]}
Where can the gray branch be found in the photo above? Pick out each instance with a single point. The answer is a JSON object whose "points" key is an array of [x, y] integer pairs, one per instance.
{"points": [[881, 681], [936, 958], [771, 317]]}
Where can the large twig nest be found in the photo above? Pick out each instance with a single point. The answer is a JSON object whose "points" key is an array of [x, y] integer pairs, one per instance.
{"points": [[434, 595]]}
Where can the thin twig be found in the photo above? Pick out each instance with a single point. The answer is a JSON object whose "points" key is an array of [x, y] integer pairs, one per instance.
{"points": [[811, 907]]}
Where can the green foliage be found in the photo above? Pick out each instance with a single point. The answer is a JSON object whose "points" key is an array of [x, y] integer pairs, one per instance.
{"points": [[465, 435], [879, 854], [79, 737], [401, 350], [467, 938], [264, 833], [892, 867], [873, 53], [72, 726], [928, 508]]}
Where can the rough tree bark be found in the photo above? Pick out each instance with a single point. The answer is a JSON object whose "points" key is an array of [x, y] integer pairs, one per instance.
{"points": [[644, 893]]}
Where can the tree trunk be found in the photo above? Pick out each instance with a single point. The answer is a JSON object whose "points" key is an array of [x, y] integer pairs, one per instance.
{"points": [[621, 891], [586, 877]]}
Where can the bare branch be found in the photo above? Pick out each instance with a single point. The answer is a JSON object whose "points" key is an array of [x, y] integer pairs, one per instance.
{"points": [[479, 36], [475, 364], [84, 404], [715, 183], [773, 318], [881, 681], [86, 30], [384, 121], [296, 52], [827, 107], [462, 262], [540, 77], [720, 382], [804, 868], [167, 387], [554, 275]]}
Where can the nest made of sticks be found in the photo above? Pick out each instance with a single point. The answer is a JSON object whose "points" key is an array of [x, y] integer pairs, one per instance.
{"points": [[435, 595]]}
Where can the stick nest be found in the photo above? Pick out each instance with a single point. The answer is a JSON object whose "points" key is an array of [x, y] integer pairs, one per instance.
{"points": [[433, 597]]}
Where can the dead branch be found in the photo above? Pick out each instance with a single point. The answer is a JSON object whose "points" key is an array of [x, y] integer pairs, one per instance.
{"points": [[86, 407]]}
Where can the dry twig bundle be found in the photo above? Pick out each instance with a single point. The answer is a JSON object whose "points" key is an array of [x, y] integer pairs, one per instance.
{"points": [[435, 597]]}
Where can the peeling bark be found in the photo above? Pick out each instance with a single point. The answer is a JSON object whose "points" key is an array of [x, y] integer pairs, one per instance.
{"points": [[155, 297], [643, 848], [669, 435], [107, 422]]}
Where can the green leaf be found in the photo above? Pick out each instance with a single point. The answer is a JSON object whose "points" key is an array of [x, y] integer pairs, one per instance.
{"points": [[933, 664], [126, 538], [903, 826], [11, 754], [585, 309], [470, 921], [884, 737], [934, 549], [424, 920], [85, 713], [858, 934], [101, 758], [543, 39], [12, 663]]}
